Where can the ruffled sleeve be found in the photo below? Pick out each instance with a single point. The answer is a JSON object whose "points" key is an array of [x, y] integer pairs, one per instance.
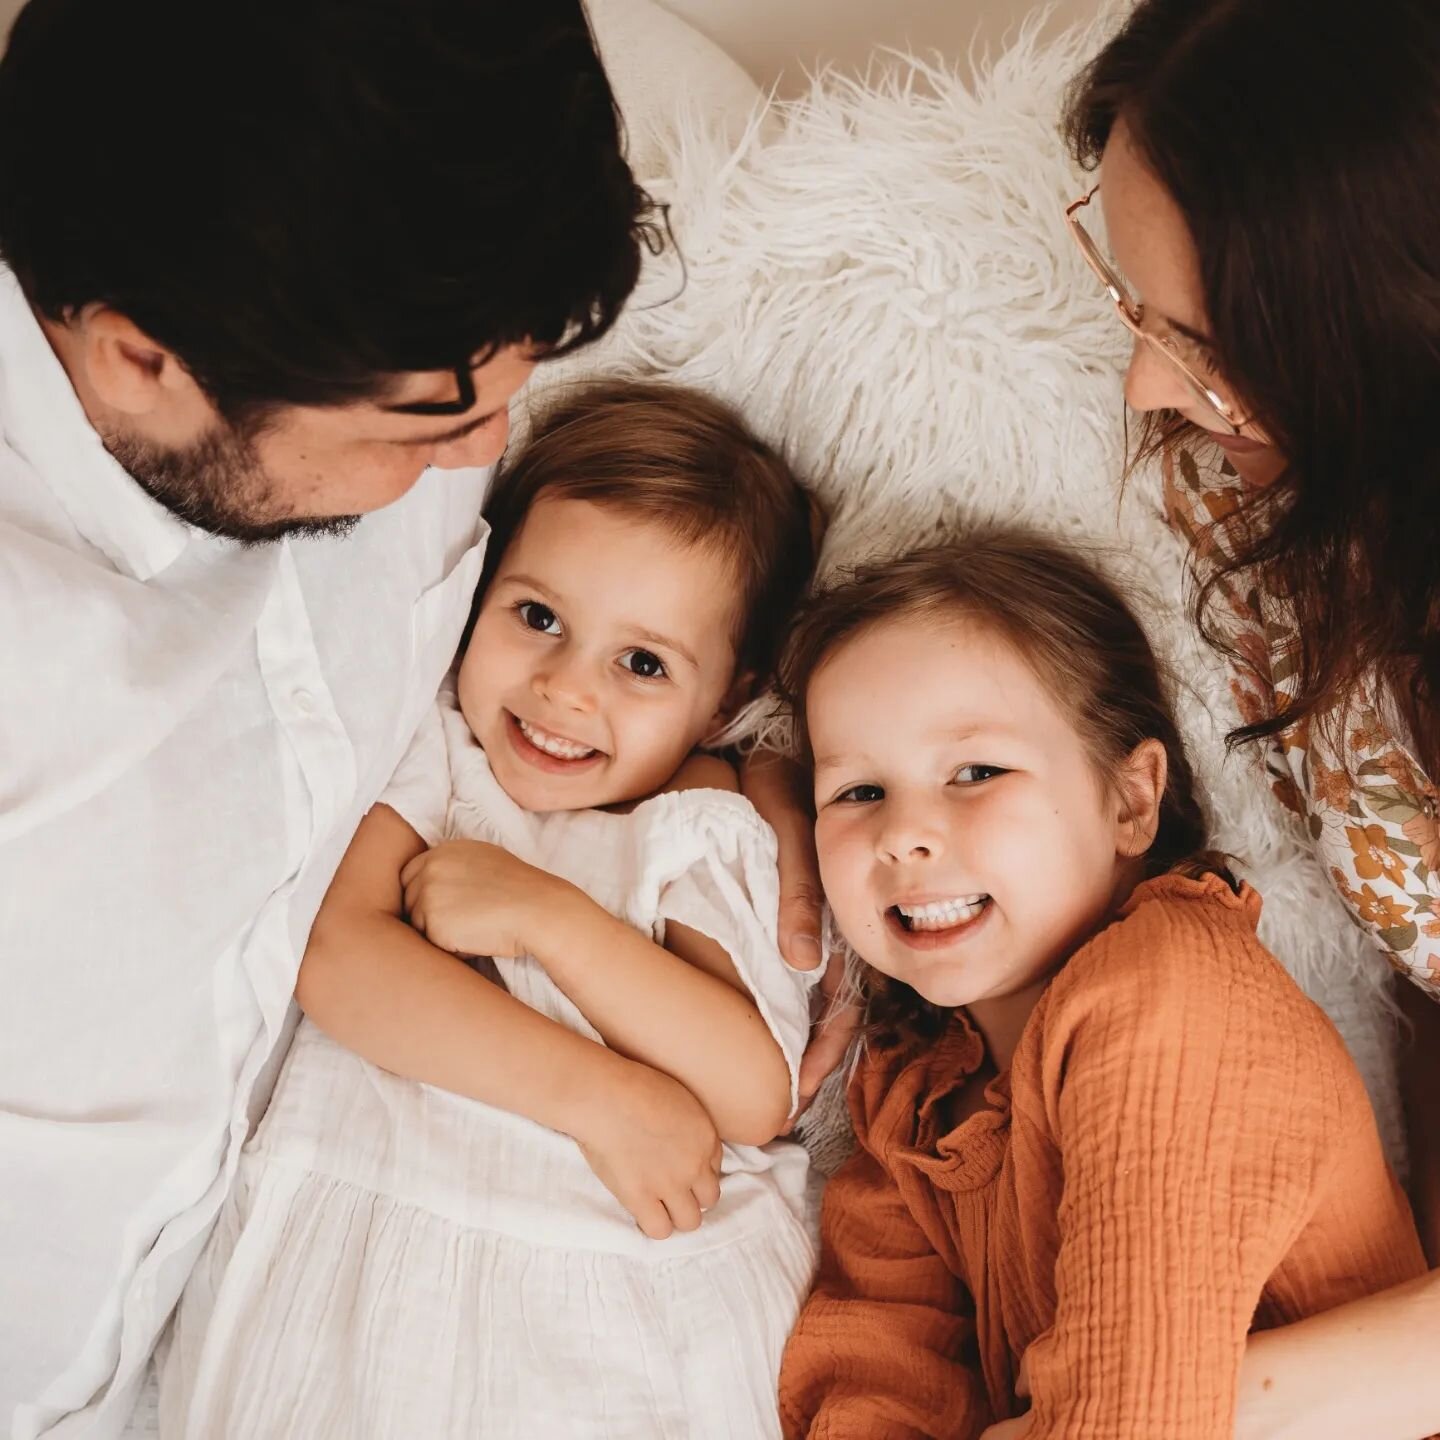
{"points": [[713, 866], [419, 790]]}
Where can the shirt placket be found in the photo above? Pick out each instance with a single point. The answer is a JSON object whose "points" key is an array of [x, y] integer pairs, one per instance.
{"points": [[321, 776]]}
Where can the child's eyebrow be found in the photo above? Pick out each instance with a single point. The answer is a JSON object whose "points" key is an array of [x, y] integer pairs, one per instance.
{"points": [[666, 642], [529, 582]]}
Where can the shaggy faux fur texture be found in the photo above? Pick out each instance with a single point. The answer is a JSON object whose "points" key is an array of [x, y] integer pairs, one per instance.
{"points": [[880, 278]]}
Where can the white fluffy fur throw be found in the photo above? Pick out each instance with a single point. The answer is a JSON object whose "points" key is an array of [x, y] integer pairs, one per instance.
{"points": [[881, 280]]}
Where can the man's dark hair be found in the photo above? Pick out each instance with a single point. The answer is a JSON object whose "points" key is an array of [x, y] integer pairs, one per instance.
{"points": [[311, 197]]}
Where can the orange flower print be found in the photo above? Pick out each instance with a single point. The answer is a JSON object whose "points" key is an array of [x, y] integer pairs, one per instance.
{"points": [[1251, 648], [1369, 734], [1380, 910], [1330, 787], [1423, 833], [1342, 884], [1221, 504], [1373, 857], [1248, 702], [1400, 770], [1430, 929]]}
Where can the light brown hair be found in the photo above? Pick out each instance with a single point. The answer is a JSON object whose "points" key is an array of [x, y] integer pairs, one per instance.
{"points": [[672, 455], [1085, 646]]}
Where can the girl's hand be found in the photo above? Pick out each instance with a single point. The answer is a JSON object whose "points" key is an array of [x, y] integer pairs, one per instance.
{"points": [[476, 899], [655, 1150]]}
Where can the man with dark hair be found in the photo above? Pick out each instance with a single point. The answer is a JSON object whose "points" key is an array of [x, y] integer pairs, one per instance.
{"points": [[271, 284]]}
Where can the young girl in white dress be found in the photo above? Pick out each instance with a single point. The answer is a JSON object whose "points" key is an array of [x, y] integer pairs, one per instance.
{"points": [[474, 1205]]}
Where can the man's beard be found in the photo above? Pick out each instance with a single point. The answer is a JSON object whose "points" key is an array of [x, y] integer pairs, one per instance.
{"points": [[219, 484]]}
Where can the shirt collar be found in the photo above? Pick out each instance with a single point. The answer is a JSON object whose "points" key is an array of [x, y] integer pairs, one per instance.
{"points": [[44, 422]]}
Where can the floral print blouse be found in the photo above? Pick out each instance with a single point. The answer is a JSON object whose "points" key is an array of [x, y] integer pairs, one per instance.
{"points": [[1368, 806]]}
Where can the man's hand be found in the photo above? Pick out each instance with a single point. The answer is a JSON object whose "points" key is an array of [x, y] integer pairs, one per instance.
{"points": [[655, 1150], [833, 1032], [777, 787], [476, 899]]}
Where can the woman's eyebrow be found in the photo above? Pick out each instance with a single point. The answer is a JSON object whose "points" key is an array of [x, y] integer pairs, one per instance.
{"points": [[1188, 331]]}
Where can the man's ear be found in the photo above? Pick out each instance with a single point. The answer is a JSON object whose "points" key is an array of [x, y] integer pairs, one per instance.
{"points": [[1140, 792], [127, 370]]}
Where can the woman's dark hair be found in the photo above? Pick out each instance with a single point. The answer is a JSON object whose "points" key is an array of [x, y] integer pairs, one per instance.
{"points": [[1077, 634], [674, 456], [1301, 141], [304, 199]]}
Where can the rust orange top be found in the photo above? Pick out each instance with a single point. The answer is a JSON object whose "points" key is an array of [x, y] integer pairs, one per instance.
{"points": [[1182, 1149]]}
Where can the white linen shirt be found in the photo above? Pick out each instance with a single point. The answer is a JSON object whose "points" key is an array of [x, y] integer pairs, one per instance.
{"points": [[190, 730]]}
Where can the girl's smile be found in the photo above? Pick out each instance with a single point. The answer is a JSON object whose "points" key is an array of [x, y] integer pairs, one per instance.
{"points": [[604, 652], [966, 841]]}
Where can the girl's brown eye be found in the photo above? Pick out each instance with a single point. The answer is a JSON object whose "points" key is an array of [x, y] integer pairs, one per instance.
{"points": [[538, 617], [643, 663]]}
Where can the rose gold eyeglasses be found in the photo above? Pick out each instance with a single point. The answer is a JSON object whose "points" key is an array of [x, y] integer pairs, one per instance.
{"points": [[1132, 313]]}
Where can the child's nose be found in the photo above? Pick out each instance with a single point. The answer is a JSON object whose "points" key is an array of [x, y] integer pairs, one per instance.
{"points": [[567, 683], [910, 833]]}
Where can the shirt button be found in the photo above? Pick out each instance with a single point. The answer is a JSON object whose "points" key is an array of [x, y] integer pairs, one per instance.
{"points": [[304, 702]]}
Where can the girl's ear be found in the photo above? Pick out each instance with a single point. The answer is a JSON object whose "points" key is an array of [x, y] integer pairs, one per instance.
{"points": [[1140, 790]]}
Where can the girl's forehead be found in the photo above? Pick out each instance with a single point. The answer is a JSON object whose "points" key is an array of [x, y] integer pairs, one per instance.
{"points": [[925, 674], [608, 567]]}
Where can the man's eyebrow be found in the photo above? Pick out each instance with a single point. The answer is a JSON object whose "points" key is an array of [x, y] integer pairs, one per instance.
{"points": [[445, 436]]}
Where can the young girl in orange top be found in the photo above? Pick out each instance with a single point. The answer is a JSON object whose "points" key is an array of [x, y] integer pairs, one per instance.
{"points": [[1100, 1129]]}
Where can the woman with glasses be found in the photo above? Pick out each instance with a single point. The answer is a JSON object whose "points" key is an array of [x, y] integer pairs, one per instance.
{"points": [[1269, 200]]}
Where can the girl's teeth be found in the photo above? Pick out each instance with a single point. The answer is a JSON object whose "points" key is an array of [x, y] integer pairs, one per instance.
{"points": [[553, 744], [942, 914]]}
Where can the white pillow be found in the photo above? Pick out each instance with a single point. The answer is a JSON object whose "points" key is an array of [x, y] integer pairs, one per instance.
{"points": [[660, 68]]}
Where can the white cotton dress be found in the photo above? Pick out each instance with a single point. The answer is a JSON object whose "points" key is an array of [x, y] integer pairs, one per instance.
{"points": [[397, 1261]]}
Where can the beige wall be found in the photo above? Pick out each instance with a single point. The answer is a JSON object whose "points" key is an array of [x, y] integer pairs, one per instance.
{"points": [[778, 39]]}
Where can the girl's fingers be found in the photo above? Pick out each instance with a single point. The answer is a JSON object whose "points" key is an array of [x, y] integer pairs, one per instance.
{"points": [[707, 1192], [684, 1210], [653, 1219]]}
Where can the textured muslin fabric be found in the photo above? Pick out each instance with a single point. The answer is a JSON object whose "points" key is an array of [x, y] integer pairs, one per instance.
{"points": [[1181, 1148], [400, 1261]]}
